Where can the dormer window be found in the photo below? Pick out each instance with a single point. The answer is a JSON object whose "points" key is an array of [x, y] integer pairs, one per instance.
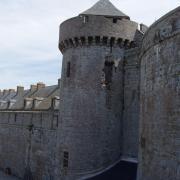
{"points": [[11, 103], [55, 102], [37, 102]]}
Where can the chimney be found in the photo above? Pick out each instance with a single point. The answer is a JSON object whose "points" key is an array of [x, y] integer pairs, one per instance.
{"points": [[33, 88], [5, 92], [20, 90], [1, 93], [40, 85], [11, 91]]}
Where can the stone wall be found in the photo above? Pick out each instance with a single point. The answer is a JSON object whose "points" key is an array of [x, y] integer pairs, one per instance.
{"points": [[160, 100], [90, 110], [91, 131], [131, 104], [28, 143]]}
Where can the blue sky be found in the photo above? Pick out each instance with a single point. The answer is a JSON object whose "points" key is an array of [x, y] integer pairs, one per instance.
{"points": [[29, 34]]}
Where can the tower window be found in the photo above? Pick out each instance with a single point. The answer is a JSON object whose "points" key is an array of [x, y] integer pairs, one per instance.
{"points": [[114, 20], [85, 19], [66, 159], [68, 69]]}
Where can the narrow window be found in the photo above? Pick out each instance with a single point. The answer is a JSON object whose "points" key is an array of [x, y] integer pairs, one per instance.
{"points": [[85, 19], [15, 117], [55, 121], [114, 21], [143, 142], [8, 171], [68, 69], [112, 41], [66, 159]]}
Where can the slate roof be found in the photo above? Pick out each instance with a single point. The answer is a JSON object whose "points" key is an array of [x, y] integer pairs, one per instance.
{"points": [[105, 8], [16, 101], [46, 91]]}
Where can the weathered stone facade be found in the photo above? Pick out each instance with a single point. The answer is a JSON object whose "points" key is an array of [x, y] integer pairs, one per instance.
{"points": [[28, 131], [160, 100], [118, 99], [94, 87]]}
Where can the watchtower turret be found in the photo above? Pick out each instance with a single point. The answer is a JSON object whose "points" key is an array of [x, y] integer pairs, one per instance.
{"points": [[91, 107]]}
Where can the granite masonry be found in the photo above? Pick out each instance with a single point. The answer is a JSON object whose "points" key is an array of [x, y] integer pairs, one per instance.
{"points": [[118, 100]]}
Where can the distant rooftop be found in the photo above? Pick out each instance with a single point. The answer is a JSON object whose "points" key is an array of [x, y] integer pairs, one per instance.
{"points": [[105, 8]]}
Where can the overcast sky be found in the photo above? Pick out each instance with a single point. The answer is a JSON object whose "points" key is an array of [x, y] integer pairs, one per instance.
{"points": [[29, 34]]}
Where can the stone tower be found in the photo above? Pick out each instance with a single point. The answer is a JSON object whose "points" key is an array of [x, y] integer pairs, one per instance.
{"points": [[91, 108], [159, 156]]}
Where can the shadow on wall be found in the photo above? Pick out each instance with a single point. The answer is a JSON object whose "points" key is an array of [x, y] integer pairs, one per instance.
{"points": [[122, 171]]}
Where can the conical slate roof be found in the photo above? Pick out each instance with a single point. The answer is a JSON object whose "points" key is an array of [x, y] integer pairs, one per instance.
{"points": [[105, 8]]}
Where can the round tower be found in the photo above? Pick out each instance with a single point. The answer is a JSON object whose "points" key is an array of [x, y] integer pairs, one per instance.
{"points": [[159, 156], [91, 91]]}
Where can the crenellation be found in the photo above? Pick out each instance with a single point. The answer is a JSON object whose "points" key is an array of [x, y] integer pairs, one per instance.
{"points": [[40, 85], [96, 41]]}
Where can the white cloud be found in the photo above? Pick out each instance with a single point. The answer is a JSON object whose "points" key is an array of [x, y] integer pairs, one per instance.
{"points": [[29, 34]]}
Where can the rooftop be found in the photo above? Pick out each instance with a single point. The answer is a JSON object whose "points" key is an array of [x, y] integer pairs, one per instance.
{"points": [[105, 8]]}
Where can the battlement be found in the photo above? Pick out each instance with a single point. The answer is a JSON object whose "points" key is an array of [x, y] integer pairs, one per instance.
{"points": [[96, 41], [88, 30]]}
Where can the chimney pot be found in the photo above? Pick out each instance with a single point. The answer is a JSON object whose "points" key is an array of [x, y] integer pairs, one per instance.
{"points": [[40, 85], [20, 89], [11, 90], [33, 87], [5, 92]]}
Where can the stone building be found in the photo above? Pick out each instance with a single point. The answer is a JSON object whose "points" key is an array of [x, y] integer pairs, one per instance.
{"points": [[159, 152], [118, 100]]}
